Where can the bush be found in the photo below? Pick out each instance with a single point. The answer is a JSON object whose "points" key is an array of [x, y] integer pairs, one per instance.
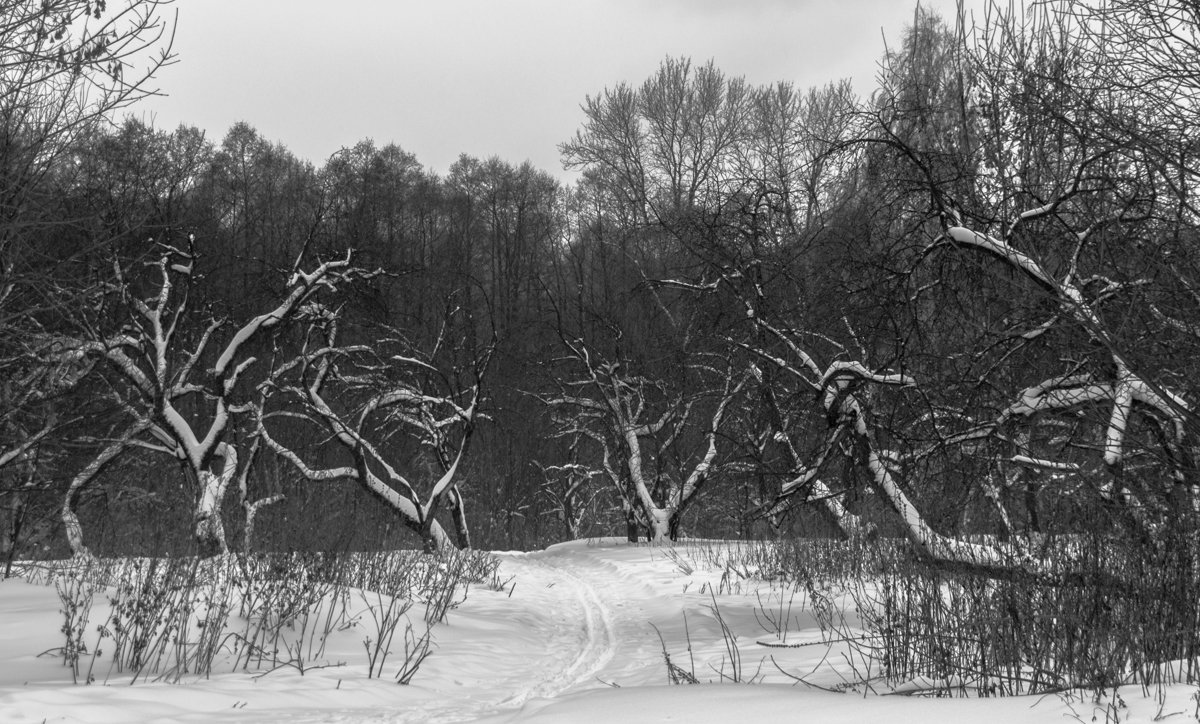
{"points": [[171, 617], [1109, 612]]}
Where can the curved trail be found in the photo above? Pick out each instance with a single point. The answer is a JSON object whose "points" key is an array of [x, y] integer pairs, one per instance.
{"points": [[571, 632], [596, 642], [586, 635]]}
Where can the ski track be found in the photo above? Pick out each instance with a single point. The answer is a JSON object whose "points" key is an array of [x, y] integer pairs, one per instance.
{"points": [[595, 651], [584, 624]]}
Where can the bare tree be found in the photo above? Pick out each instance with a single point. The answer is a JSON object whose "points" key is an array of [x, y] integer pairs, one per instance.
{"points": [[1034, 253], [177, 404], [384, 405], [668, 145], [570, 489], [65, 69], [641, 430]]}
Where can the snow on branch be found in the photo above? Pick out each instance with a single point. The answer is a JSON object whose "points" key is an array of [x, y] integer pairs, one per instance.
{"points": [[1045, 464], [1058, 393], [368, 397], [975, 240], [638, 422], [840, 372], [301, 286], [20, 448]]}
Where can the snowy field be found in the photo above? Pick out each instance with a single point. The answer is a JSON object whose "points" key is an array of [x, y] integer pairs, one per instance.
{"points": [[571, 634]]}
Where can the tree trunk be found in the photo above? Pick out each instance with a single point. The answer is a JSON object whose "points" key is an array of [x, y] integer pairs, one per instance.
{"points": [[674, 524], [631, 522], [252, 516], [1031, 506], [660, 524], [71, 526], [14, 533], [210, 534], [458, 510], [82, 479], [570, 522], [209, 528], [434, 539]]}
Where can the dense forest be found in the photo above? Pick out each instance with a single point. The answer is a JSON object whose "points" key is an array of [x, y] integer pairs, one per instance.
{"points": [[965, 308]]}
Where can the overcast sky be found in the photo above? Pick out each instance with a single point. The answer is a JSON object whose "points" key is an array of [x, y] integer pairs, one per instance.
{"points": [[485, 77]]}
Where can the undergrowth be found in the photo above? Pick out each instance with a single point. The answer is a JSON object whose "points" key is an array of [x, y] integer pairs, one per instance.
{"points": [[1104, 613], [167, 618]]}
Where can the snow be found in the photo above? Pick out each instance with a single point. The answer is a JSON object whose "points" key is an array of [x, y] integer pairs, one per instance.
{"points": [[570, 638]]}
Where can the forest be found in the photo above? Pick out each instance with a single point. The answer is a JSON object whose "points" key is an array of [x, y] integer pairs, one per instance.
{"points": [[909, 376], [963, 310]]}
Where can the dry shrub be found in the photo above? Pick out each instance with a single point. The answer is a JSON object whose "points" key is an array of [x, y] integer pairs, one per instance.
{"points": [[1110, 611]]}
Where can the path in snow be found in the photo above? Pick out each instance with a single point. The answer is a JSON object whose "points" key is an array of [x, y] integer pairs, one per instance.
{"points": [[583, 629], [566, 611], [583, 616], [574, 641]]}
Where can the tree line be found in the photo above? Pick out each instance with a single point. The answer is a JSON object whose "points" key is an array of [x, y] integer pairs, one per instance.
{"points": [[966, 304]]}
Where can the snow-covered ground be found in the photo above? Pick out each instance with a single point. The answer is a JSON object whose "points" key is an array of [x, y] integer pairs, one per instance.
{"points": [[574, 637]]}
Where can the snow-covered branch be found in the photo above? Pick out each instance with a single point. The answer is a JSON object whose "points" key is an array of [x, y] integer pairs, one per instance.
{"points": [[161, 376], [372, 394], [638, 426]]}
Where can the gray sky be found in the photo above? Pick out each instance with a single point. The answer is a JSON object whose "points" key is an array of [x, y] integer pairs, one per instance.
{"points": [[485, 77]]}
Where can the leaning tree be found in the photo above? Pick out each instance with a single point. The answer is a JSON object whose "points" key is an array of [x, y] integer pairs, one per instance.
{"points": [[65, 68], [399, 416], [182, 376]]}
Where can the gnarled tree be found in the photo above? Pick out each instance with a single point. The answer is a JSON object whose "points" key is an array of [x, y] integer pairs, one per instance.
{"points": [[646, 432], [177, 375], [399, 421]]}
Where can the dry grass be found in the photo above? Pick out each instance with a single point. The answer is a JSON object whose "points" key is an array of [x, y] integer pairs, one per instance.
{"points": [[1110, 612], [171, 618]]}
